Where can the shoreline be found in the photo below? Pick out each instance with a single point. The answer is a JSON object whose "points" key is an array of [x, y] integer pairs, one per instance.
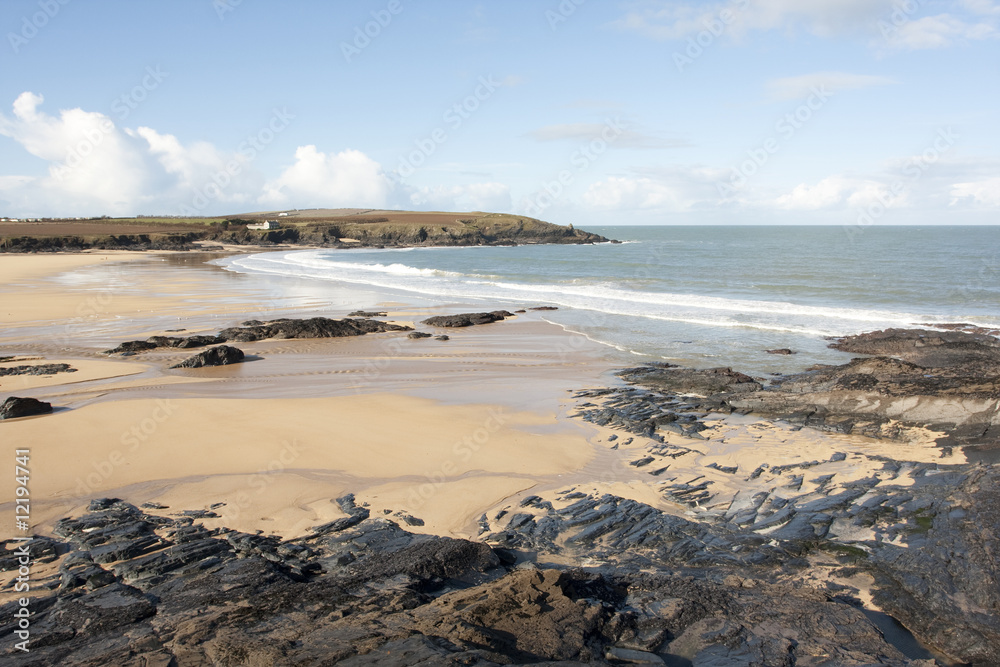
{"points": [[478, 438]]}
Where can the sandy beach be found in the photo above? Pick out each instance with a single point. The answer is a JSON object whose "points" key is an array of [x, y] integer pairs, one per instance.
{"points": [[459, 438], [428, 428], [442, 431]]}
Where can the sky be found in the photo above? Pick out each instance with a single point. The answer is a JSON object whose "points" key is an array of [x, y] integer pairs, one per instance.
{"points": [[591, 112]]}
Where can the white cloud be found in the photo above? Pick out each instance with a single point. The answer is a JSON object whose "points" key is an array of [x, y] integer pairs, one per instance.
{"points": [[800, 87], [834, 192], [668, 189], [982, 7], [348, 178], [96, 167], [887, 22], [935, 32], [494, 197], [985, 193], [672, 21]]}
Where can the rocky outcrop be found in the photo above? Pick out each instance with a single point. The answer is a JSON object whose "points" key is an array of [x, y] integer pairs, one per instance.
{"points": [[945, 382], [467, 319], [15, 407], [134, 588], [37, 369], [255, 330], [222, 355], [316, 327]]}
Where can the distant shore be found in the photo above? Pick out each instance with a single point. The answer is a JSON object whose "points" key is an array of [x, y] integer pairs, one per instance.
{"points": [[328, 228]]}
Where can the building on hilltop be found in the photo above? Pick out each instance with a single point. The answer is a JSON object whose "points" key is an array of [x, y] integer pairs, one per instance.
{"points": [[267, 224]]}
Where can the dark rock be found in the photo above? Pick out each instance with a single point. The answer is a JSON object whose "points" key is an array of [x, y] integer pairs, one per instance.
{"points": [[442, 337], [544, 308], [39, 369], [132, 346], [467, 319], [368, 313], [418, 334], [781, 350], [316, 327], [687, 380], [15, 407], [216, 356]]}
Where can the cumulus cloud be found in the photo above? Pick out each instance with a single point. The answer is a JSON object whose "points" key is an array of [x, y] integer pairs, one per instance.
{"points": [[835, 192], [348, 178], [96, 167], [984, 193]]}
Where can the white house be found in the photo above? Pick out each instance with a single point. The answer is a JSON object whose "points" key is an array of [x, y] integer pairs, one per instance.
{"points": [[267, 224]]}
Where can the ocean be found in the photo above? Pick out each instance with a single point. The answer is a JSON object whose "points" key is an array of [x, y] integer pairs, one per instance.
{"points": [[698, 296]]}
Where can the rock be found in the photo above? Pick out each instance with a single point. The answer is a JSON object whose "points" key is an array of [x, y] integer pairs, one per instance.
{"points": [[189, 342], [467, 319], [375, 594], [544, 308], [367, 313], [780, 350], [216, 356], [416, 335], [442, 337], [686, 380], [131, 347], [316, 327], [38, 369], [15, 407]]}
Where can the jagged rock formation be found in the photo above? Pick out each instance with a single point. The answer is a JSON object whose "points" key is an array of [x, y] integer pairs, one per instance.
{"points": [[133, 588], [948, 382]]}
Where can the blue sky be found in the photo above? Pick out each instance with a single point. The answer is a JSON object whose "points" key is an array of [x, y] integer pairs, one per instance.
{"points": [[632, 112]]}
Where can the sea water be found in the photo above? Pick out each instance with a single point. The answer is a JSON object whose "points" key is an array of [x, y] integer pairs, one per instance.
{"points": [[699, 296]]}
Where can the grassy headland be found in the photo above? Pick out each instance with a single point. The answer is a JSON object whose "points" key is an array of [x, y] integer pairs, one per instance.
{"points": [[314, 227]]}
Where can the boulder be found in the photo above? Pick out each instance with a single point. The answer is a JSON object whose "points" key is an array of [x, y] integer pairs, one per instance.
{"points": [[216, 356], [15, 407], [467, 319]]}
